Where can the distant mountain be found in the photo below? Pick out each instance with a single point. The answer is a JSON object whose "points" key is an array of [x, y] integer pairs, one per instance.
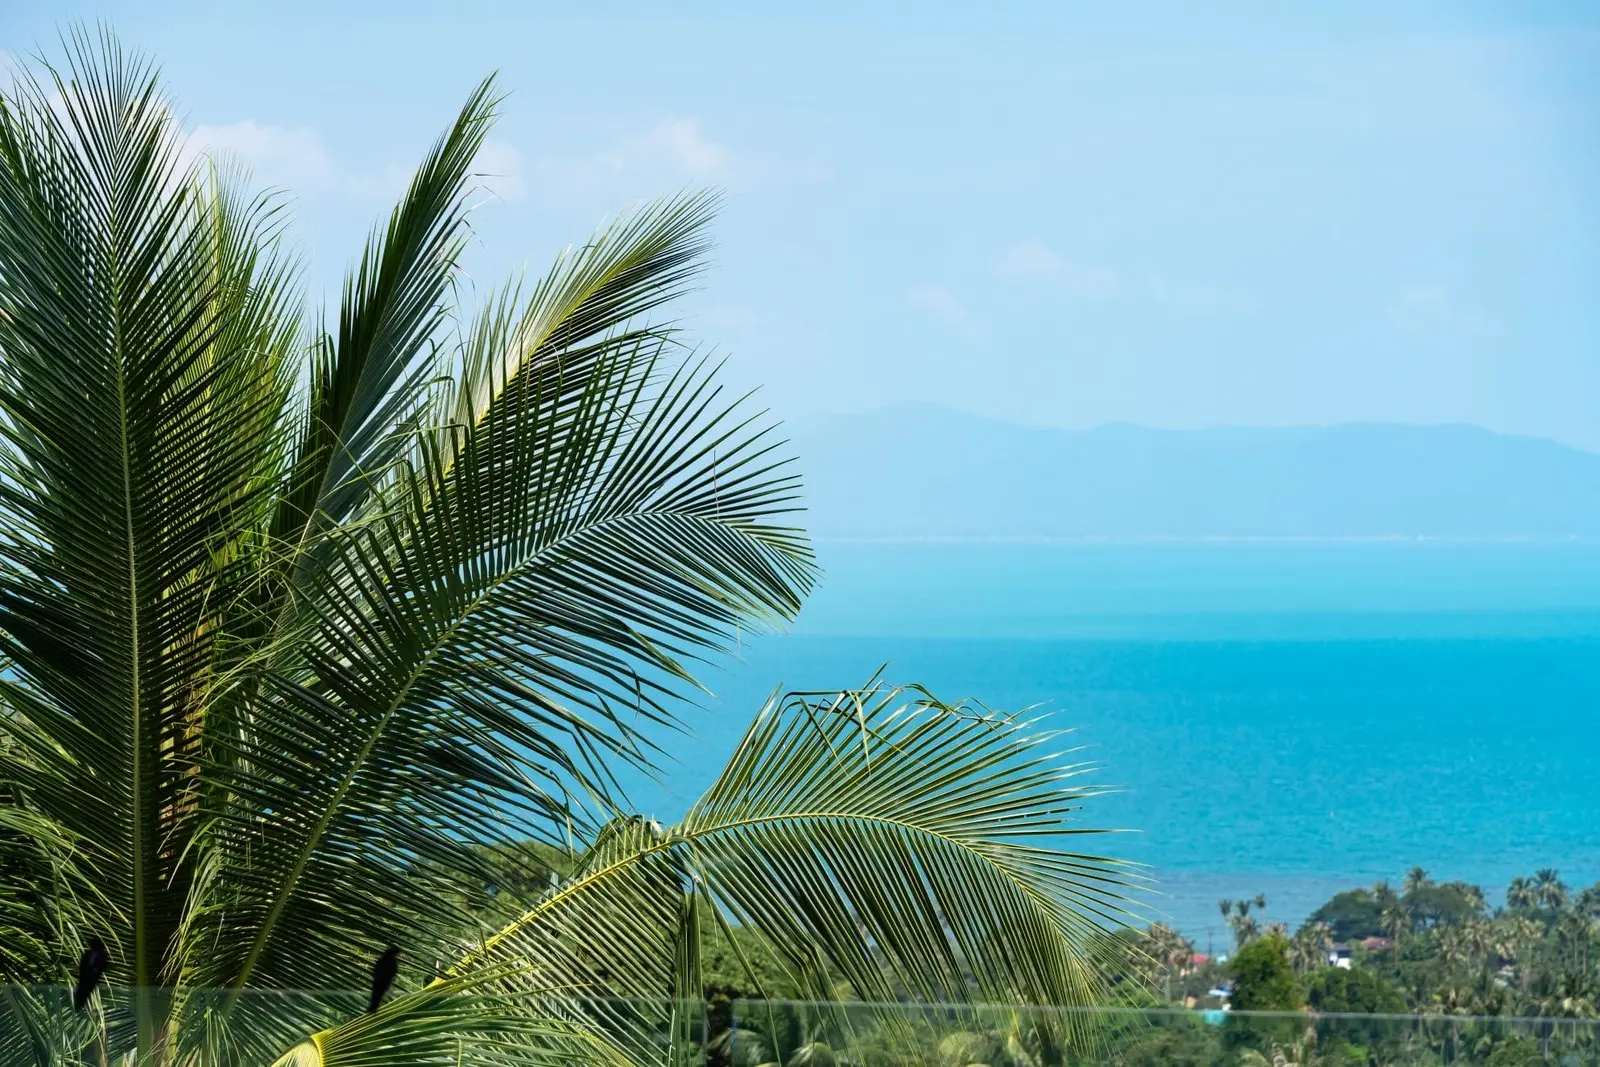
{"points": [[926, 471]]}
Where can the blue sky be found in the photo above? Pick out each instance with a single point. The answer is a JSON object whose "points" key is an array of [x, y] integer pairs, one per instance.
{"points": [[1061, 215]]}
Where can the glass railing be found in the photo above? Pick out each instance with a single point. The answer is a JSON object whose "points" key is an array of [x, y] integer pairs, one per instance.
{"points": [[39, 1025], [218, 1028], [907, 1035]]}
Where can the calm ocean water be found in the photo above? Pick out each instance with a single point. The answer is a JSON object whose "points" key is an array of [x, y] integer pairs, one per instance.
{"points": [[1287, 719]]}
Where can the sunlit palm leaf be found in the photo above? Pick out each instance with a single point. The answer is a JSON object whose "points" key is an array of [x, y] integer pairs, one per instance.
{"points": [[370, 380], [905, 845], [448, 1026], [500, 628]]}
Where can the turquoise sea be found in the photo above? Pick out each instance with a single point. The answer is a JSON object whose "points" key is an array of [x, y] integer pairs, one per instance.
{"points": [[1288, 719]]}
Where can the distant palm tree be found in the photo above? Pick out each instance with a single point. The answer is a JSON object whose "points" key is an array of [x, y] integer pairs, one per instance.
{"points": [[1416, 878], [1308, 949], [1514, 939], [1237, 913], [299, 622], [1521, 894], [1477, 935], [1454, 944], [1587, 900], [1549, 892], [1171, 950], [1577, 932], [1393, 913]]}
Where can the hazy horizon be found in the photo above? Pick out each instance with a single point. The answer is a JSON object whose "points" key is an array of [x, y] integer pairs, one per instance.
{"points": [[1093, 427], [920, 472]]}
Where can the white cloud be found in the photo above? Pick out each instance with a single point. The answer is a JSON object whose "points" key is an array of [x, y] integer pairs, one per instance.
{"points": [[1432, 309], [685, 145], [295, 158], [1035, 262], [668, 154], [291, 158], [945, 308]]}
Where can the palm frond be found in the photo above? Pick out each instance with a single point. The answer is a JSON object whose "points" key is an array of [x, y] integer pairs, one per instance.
{"points": [[880, 836], [595, 296], [498, 631], [904, 838], [370, 380], [455, 1027], [140, 388]]}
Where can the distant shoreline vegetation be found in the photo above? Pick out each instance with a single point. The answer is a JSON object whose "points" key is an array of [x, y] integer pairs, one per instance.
{"points": [[1423, 947]]}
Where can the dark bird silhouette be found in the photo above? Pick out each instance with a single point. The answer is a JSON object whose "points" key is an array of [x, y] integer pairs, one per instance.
{"points": [[91, 968], [383, 973]]}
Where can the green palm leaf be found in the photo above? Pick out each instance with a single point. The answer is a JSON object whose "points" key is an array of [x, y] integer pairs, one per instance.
{"points": [[478, 653], [875, 835], [141, 331], [370, 380]]}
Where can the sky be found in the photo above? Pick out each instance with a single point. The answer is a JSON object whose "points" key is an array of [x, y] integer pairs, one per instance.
{"points": [[1058, 214]]}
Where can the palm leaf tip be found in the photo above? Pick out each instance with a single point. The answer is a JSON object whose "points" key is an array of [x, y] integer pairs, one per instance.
{"points": [[305, 1054]]}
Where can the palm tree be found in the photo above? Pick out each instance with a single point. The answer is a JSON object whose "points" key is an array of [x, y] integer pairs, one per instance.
{"points": [[1514, 939], [1477, 935], [1392, 913], [1454, 946], [1521, 894], [305, 625], [1308, 949], [1171, 950], [1549, 892], [1416, 878], [1587, 901], [1576, 931], [1245, 925]]}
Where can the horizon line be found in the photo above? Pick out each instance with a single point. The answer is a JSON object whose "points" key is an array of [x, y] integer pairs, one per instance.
{"points": [[1176, 539]]}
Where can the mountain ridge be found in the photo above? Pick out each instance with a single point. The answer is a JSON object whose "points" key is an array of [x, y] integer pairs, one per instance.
{"points": [[924, 471]]}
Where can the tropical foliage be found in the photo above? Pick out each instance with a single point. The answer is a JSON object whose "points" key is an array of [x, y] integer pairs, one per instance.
{"points": [[327, 634], [1468, 984], [1434, 975]]}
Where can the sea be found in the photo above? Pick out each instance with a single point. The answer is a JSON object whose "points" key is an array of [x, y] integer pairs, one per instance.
{"points": [[1278, 718]]}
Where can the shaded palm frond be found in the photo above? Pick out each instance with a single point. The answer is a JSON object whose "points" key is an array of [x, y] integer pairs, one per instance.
{"points": [[141, 381]]}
